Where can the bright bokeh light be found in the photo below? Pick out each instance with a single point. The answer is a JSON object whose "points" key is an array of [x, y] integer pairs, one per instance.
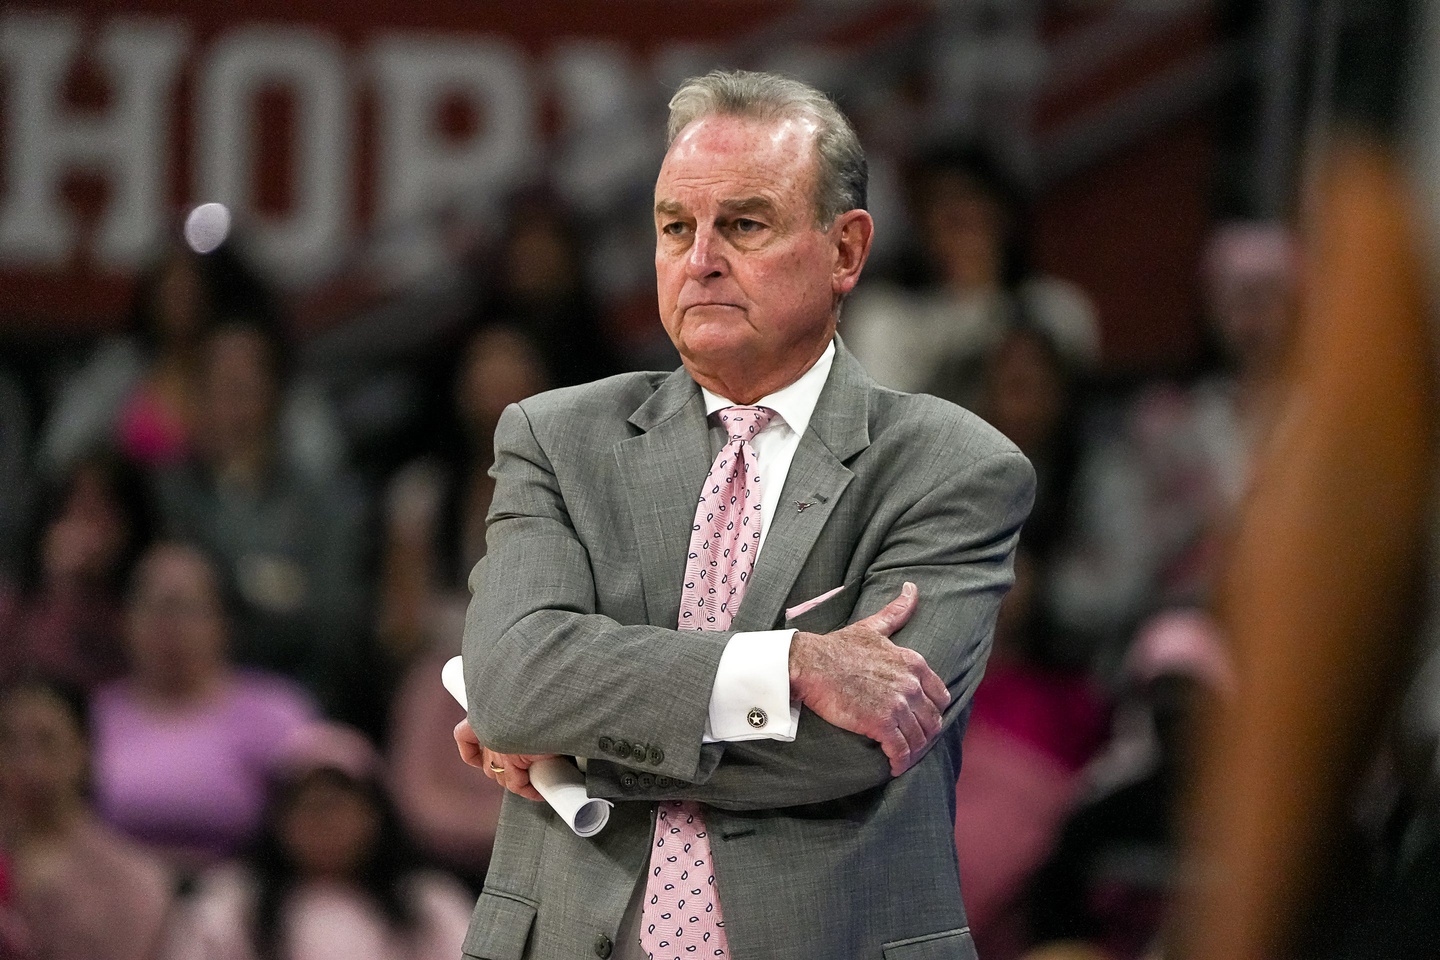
{"points": [[207, 226]]}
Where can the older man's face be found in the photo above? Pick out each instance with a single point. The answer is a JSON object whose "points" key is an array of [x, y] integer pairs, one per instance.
{"points": [[746, 278]]}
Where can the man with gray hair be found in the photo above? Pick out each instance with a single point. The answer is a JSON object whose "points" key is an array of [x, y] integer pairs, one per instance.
{"points": [[751, 597]]}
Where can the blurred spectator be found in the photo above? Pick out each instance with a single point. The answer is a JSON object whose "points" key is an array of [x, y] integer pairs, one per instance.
{"points": [[140, 394], [63, 615], [1113, 871], [1160, 488], [330, 877], [974, 283], [70, 889], [535, 281], [435, 534], [1028, 390], [287, 539], [1033, 726], [449, 810], [184, 744], [436, 507]]}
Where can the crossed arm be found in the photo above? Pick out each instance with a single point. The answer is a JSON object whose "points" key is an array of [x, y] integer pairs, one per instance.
{"points": [[857, 678], [555, 672]]}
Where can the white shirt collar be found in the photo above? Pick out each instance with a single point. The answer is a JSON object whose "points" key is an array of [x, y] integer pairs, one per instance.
{"points": [[796, 403]]}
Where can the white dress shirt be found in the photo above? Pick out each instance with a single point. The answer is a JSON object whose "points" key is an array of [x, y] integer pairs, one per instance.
{"points": [[754, 672]]}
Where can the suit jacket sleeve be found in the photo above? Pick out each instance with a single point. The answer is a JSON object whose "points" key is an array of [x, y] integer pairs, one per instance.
{"points": [[544, 672]]}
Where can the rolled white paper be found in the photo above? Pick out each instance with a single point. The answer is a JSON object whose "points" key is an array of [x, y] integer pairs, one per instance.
{"points": [[557, 779]]}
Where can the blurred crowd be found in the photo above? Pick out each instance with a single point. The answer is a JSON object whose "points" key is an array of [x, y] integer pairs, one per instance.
{"points": [[229, 589]]}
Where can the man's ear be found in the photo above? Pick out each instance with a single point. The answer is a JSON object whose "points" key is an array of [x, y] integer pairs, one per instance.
{"points": [[852, 233]]}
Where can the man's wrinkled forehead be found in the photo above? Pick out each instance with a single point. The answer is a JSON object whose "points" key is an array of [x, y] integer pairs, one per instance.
{"points": [[757, 152], [784, 129]]}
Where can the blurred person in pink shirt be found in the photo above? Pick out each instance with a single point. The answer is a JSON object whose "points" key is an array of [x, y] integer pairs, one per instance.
{"points": [[1036, 722], [185, 743], [331, 876], [72, 889]]}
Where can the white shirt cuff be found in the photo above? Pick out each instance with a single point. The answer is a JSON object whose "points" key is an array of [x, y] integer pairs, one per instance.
{"points": [[751, 696]]}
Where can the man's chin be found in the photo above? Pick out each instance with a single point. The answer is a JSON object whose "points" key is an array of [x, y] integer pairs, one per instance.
{"points": [[710, 348], [711, 330]]}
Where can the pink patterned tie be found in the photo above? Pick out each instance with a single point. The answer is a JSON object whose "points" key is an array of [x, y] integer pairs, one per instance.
{"points": [[682, 918]]}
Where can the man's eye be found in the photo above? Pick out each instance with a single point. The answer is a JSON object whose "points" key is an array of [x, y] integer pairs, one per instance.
{"points": [[674, 228], [746, 225]]}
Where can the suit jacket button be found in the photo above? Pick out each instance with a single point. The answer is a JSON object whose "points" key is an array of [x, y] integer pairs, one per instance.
{"points": [[602, 946], [655, 756], [622, 749], [607, 745], [664, 782], [647, 781], [628, 781]]}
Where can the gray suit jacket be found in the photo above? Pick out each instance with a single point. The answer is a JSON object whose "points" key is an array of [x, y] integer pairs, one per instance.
{"points": [[570, 648]]}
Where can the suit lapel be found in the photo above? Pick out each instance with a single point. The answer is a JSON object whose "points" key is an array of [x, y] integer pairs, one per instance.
{"points": [[662, 470], [664, 467], [838, 430]]}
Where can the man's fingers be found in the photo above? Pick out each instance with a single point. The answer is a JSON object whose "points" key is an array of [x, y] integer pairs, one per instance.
{"points": [[897, 749], [915, 741], [489, 760], [512, 771], [509, 770], [929, 718], [517, 781], [894, 614], [468, 744], [935, 690]]}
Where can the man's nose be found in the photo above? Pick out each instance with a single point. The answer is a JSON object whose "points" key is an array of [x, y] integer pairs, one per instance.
{"points": [[707, 256]]}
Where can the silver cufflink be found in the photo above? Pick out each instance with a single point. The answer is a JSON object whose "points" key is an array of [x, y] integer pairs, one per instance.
{"points": [[756, 717]]}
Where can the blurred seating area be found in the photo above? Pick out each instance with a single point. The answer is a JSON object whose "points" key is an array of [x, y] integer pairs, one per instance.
{"points": [[237, 516]]}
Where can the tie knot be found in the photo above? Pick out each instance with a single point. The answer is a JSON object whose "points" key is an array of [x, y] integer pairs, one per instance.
{"points": [[742, 423]]}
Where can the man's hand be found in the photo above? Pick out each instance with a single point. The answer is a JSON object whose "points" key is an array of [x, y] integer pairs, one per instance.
{"points": [[510, 770], [856, 679]]}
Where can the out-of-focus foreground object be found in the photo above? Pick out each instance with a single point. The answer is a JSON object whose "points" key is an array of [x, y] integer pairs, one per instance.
{"points": [[1321, 599]]}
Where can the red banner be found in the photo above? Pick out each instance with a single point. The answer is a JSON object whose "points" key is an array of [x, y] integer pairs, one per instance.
{"points": [[314, 121]]}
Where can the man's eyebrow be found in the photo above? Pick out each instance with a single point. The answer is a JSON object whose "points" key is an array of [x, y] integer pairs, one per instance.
{"points": [[749, 205], [738, 206]]}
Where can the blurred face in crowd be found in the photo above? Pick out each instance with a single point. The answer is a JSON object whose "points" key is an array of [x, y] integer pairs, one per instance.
{"points": [[87, 538], [501, 367], [1256, 316], [329, 828], [538, 266], [178, 303], [174, 623], [42, 754], [963, 228], [749, 284], [1024, 389], [239, 392]]}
